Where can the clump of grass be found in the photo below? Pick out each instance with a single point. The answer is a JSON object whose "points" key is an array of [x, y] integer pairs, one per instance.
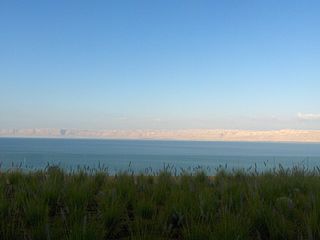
{"points": [[53, 204]]}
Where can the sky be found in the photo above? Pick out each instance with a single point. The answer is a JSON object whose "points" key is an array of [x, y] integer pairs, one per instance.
{"points": [[162, 64]]}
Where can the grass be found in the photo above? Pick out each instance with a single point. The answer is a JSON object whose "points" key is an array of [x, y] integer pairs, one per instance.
{"points": [[53, 204]]}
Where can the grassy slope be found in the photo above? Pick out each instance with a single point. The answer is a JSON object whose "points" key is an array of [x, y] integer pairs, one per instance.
{"points": [[57, 205]]}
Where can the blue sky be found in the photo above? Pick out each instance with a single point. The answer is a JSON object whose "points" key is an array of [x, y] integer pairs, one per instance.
{"points": [[160, 64]]}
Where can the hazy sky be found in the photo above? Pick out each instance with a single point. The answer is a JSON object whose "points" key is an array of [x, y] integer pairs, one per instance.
{"points": [[160, 64]]}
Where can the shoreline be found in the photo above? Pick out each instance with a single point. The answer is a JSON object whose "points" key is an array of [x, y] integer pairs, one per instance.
{"points": [[233, 135], [157, 140]]}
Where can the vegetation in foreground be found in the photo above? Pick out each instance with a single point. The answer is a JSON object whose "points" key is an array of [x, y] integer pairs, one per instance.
{"points": [[53, 204]]}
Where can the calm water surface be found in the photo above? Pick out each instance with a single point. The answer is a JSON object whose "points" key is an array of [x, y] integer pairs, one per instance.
{"points": [[139, 155]]}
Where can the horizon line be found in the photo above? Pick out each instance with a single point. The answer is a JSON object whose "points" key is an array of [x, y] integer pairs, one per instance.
{"points": [[223, 135]]}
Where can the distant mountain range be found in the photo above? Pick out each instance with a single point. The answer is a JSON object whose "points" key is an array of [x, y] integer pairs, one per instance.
{"points": [[286, 135]]}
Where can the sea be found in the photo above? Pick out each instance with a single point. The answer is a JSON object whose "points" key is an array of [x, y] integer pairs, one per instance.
{"points": [[150, 156]]}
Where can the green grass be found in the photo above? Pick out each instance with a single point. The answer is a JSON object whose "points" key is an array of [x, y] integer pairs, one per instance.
{"points": [[53, 204]]}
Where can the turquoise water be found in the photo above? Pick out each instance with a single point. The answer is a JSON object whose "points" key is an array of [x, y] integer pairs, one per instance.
{"points": [[143, 155]]}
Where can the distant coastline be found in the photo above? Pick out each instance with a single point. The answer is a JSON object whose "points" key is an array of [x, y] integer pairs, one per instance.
{"points": [[285, 135]]}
